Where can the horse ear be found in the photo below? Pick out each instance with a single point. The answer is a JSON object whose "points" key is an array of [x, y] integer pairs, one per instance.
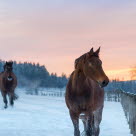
{"points": [[89, 54], [91, 51], [97, 51]]}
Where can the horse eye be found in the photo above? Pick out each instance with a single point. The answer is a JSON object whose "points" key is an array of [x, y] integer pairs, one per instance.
{"points": [[90, 64]]}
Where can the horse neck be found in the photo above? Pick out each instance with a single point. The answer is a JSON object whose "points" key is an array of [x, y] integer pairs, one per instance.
{"points": [[78, 79], [81, 82]]}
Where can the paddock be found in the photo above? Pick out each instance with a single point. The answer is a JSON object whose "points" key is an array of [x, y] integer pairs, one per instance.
{"points": [[48, 115]]}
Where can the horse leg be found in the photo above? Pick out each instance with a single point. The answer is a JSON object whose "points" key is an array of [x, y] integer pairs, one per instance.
{"points": [[96, 127], [5, 99], [97, 121], [89, 126], [75, 120], [84, 122], [11, 98]]}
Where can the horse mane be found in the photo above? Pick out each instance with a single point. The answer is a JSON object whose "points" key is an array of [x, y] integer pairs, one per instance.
{"points": [[82, 57]]}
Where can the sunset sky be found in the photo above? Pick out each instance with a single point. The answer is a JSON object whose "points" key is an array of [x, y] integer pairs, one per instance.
{"points": [[56, 32]]}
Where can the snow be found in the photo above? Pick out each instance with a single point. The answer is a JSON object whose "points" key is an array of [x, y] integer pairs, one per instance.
{"points": [[48, 116]]}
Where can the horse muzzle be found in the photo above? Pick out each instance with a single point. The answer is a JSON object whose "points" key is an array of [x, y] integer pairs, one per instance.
{"points": [[104, 83]]}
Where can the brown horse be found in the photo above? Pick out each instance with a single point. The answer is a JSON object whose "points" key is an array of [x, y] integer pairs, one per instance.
{"points": [[8, 83], [85, 93]]}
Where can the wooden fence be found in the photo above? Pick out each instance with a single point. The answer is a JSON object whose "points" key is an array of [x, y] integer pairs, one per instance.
{"points": [[53, 93], [112, 96], [128, 102]]}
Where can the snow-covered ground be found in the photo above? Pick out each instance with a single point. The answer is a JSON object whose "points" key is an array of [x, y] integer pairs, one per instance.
{"points": [[48, 116]]}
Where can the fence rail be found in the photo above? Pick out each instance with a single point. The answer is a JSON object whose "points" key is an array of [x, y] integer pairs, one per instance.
{"points": [[53, 93], [112, 96], [128, 102]]}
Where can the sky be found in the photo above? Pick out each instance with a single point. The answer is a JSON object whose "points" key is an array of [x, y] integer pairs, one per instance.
{"points": [[56, 32]]}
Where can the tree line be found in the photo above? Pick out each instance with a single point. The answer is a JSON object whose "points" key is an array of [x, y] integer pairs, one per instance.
{"points": [[31, 75], [127, 86], [35, 75]]}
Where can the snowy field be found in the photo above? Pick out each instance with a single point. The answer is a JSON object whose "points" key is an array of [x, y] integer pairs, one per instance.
{"points": [[48, 116]]}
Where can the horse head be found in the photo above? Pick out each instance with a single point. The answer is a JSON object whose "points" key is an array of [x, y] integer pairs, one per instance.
{"points": [[8, 67], [91, 65]]}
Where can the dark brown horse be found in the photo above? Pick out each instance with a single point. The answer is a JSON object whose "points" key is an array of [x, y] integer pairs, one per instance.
{"points": [[8, 83], [85, 93]]}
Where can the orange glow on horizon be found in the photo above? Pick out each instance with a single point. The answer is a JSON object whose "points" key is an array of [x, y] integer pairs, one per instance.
{"points": [[121, 74]]}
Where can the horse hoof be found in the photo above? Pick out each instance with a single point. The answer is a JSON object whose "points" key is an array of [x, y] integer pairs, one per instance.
{"points": [[5, 107], [12, 104]]}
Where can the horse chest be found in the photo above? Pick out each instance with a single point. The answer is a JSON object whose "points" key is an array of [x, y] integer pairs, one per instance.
{"points": [[82, 102], [8, 84], [86, 101]]}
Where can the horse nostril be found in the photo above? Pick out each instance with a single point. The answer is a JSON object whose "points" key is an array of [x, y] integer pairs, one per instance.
{"points": [[104, 82]]}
